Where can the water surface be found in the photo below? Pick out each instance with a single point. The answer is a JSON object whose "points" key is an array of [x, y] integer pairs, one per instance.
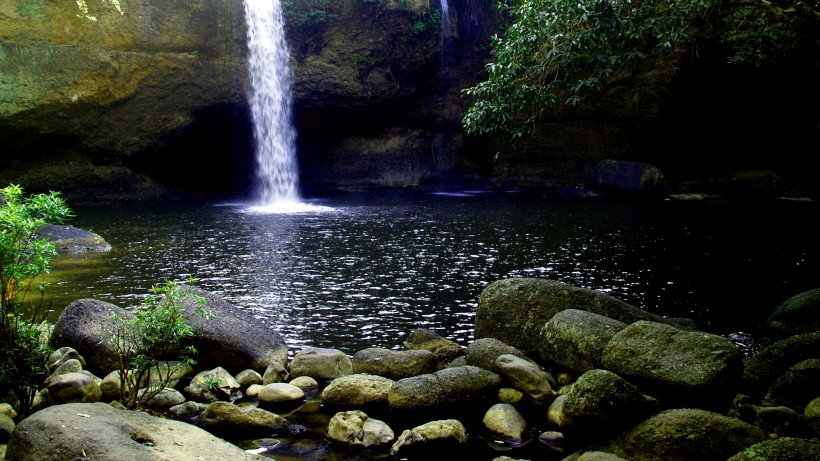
{"points": [[368, 269]]}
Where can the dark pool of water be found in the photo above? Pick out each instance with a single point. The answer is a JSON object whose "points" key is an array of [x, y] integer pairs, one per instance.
{"points": [[377, 266]]}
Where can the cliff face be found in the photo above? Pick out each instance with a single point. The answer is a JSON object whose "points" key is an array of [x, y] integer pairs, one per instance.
{"points": [[83, 103], [152, 103]]}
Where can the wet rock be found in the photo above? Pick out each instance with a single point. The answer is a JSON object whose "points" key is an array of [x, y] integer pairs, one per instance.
{"points": [[430, 439], [484, 352], [213, 385], [504, 421], [781, 448], [248, 377], [231, 337], [280, 393], [811, 412], [773, 361], [358, 391], [306, 383], [71, 240], [797, 387], [241, 422], [553, 440], [684, 367], [320, 363], [61, 355], [356, 429], [162, 400], [601, 402], [6, 428], [515, 310], [510, 395], [599, 456], [444, 349], [783, 422], [797, 315], [575, 339], [74, 388], [104, 433], [86, 326], [187, 411], [443, 392], [555, 412], [685, 434], [526, 376], [394, 364], [69, 366], [8, 410], [275, 373]]}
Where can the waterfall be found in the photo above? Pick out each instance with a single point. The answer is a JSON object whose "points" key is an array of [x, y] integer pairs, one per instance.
{"points": [[270, 103], [445, 32]]}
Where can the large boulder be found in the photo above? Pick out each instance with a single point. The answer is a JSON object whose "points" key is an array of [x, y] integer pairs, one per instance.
{"points": [[103, 433], [394, 364], [685, 367], [797, 315], [575, 339], [86, 325], [356, 429], [601, 402], [781, 448], [686, 435], [357, 391], [232, 337], [237, 422], [773, 361], [320, 363], [431, 440], [72, 240], [445, 392], [515, 310]]}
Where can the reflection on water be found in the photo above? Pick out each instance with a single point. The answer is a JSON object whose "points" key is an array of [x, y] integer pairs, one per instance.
{"points": [[376, 267]]}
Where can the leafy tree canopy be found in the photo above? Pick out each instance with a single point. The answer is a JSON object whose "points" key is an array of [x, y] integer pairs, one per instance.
{"points": [[556, 51]]}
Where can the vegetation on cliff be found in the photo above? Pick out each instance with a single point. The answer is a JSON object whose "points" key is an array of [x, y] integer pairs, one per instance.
{"points": [[557, 53]]}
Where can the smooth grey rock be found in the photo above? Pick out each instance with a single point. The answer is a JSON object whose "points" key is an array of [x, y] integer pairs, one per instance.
{"points": [[483, 353], [275, 393], [86, 326], [575, 339], [526, 376], [61, 355], [685, 434], [320, 363], [515, 310], [431, 439], [306, 383], [504, 421], [71, 240], [443, 391], [797, 315], [104, 433], [244, 422], [394, 364], [444, 349], [358, 390], [357, 429], [275, 373], [682, 367], [164, 399], [247, 377], [74, 388]]}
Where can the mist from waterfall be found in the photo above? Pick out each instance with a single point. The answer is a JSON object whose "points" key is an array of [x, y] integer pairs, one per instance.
{"points": [[271, 102]]}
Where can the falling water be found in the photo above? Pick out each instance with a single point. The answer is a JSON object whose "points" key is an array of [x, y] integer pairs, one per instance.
{"points": [[445, 32], [270, 101]]}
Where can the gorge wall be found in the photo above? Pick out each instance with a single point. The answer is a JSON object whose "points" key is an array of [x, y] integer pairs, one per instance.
{"points": [[152, 103]]}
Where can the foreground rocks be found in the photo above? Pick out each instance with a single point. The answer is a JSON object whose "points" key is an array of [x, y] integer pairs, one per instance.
{"points": [[103, 433], [642, 390]]}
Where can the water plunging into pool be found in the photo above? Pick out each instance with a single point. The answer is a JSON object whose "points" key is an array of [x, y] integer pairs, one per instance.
{"points": [[277, 188]]}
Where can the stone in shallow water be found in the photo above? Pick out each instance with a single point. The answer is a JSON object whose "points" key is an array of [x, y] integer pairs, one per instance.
{"points": [[280, 393], [355, 428]]}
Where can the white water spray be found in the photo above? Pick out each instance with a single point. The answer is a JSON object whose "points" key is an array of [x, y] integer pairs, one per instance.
{"points": [[270, 101]]}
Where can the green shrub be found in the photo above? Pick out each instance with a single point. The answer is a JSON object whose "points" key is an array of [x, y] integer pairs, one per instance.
{"points": [[24, 260], [156, 332]]}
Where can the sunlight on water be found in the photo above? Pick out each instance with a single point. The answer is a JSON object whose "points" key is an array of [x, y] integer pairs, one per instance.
{"points": [[288, 207]]}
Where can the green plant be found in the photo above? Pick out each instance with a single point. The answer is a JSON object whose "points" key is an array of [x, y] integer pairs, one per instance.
{"points": [[24, 260], [213, 381], [157, 331], [560, 51], [763, 33]]}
